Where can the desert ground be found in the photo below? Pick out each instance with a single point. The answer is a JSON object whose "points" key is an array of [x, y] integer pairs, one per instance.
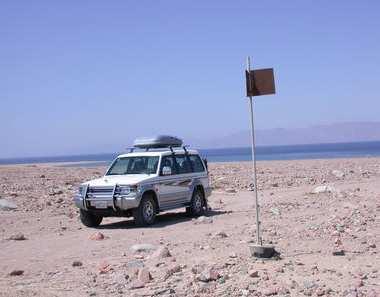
{"points": [[322, 216]]}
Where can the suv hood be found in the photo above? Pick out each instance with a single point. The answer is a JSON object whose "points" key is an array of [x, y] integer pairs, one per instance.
{"points": [[111, 180]]}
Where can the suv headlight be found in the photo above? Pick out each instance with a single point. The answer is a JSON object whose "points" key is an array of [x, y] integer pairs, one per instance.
{"points": [[126, 190]]}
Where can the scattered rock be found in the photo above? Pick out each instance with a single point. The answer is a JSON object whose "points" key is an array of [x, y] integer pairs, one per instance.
{"points": [[135, 264], [338, 252], [203, 220], [230, 190], [16, 272], [7, 205], [137, 285], [77, 264], [275, 211], [220, 234], [320, 292], [338, 173], [97, 236], [323, 189], [359, 283], [279, 269], [308, 284], [172, 270], [17, 236], [54, 192], [162, 252], [208, 275], [144, 275], [143, 247], [104, 268], [253, 273], [197, 268], [270, 291]]}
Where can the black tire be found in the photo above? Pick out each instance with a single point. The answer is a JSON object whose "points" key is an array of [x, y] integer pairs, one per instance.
{"points": [[197, 204], [145, 214], [89, 219]]}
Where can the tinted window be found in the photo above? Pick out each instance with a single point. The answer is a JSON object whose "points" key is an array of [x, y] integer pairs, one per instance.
{"points": [[134, 165], [197, 164], [183, 164], [168, 161]]}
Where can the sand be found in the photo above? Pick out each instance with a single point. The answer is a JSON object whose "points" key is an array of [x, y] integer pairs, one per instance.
{"points": [[328, 241]]}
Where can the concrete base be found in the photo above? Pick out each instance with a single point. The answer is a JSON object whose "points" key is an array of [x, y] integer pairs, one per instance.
{"points": [[262, 251]]}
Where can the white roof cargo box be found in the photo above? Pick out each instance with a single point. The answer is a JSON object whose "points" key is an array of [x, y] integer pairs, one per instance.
{"points": [[160, 141]]}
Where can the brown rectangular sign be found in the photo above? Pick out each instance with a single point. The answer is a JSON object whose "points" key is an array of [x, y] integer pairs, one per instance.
{"points": [[260, 82]]}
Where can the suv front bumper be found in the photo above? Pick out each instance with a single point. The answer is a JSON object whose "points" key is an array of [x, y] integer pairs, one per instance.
{"points": [[115, 202]]}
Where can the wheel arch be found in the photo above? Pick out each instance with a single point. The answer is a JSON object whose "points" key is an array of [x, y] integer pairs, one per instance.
{"points": [[154, 195]]}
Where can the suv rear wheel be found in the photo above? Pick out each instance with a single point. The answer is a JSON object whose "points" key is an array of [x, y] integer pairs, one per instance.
{"points": [[145, 214], [197, 204], [89, 219]]}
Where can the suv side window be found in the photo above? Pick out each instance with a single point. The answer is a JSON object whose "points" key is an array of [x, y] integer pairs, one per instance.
{"points": [[183, 164], [169, 162], [197, 164]]}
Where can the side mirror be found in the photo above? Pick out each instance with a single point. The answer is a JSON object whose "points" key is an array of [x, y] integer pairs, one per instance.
{"points": [[166, 170]]}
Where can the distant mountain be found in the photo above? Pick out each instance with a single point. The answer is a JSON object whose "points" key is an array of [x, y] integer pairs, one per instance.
{"points": [[333, 133]]}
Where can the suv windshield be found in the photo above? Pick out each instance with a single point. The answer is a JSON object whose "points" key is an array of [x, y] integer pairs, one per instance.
{"points": [[134, 165]]}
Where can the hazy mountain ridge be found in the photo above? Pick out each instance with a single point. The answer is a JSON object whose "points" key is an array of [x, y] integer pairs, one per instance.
{"points": [[332, 133]]}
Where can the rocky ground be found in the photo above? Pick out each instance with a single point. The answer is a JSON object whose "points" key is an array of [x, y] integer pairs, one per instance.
{"points": [[322, 216]]}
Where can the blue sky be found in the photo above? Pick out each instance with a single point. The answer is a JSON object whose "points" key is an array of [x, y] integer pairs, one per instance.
{"points": [[89, 76]]}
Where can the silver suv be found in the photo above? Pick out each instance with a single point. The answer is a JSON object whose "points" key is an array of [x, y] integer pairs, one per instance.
{"points": [[162, 176]]}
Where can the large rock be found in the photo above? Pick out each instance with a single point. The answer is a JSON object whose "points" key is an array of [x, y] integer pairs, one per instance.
{"points": [[143, 247], [7, 205]]}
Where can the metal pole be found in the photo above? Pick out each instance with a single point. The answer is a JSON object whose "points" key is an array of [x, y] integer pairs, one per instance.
{"points": [[258, 237]]}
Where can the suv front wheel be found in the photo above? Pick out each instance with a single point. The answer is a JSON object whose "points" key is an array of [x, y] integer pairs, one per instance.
{"points": [[89, 219], [145, 214], [197, 204]]}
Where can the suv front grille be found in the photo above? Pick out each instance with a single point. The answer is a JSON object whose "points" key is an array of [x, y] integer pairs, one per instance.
{"points": [[100, 193], [100, 190]]}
